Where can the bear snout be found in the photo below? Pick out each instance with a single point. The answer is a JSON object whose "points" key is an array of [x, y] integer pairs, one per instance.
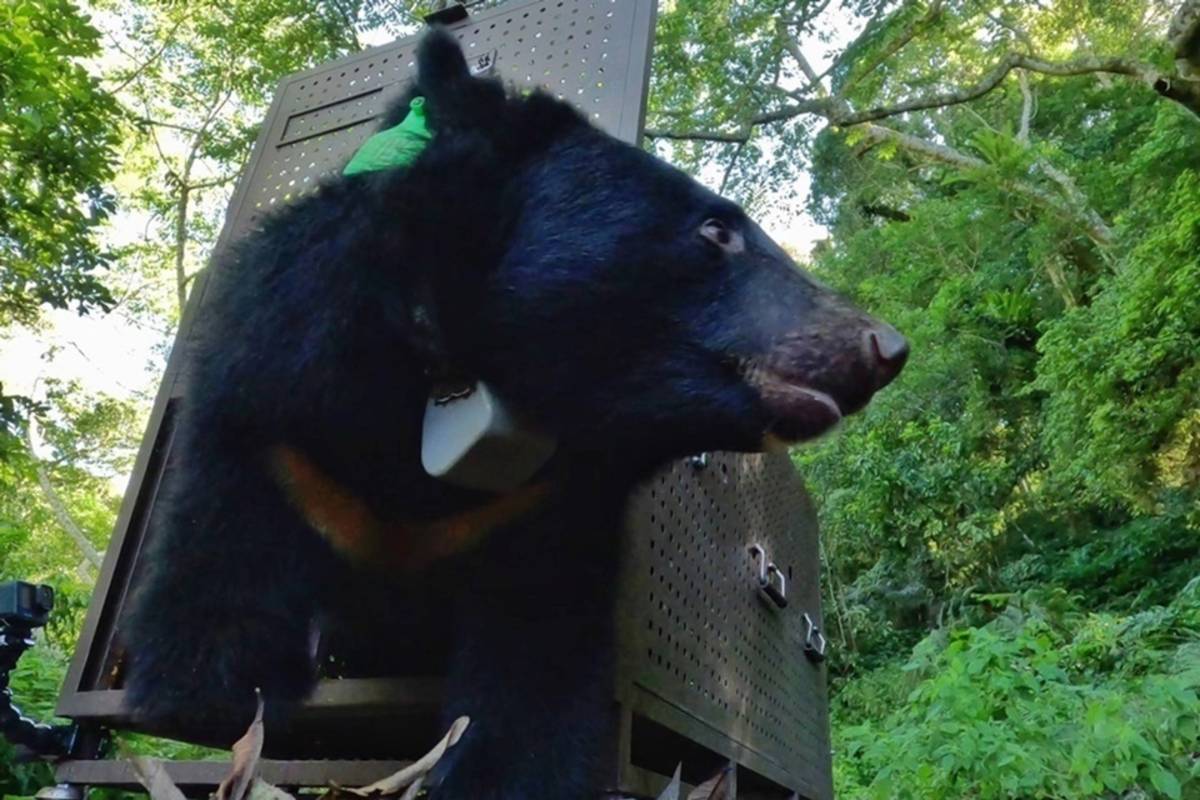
{"points": [[885, 351], [830, 367]]}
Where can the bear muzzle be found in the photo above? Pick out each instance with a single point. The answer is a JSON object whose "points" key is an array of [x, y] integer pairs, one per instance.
{"points": [[806, 390], [797, 411], [886, 352]]}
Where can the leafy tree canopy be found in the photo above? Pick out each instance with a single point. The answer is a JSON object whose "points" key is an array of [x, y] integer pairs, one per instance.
{"points": [[58, 135]]}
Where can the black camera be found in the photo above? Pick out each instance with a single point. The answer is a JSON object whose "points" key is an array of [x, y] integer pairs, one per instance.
{"points": [[25, 607], [25, 604]]}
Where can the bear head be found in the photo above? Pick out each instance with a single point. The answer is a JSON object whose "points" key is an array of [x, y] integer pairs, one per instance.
{"points": [[608, 296]]}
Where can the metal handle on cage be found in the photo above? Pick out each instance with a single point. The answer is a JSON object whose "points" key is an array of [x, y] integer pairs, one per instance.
{"points": [[768, 575], [814, 641]]}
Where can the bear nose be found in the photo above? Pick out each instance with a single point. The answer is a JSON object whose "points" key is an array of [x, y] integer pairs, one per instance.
{"points": [[886, 352]]}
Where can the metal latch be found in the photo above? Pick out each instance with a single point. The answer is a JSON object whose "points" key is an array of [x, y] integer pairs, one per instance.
{"points": [[771, 580], [814, 641], [482, 64]]}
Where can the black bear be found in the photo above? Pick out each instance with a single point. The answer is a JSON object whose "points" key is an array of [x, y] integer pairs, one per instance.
{"points": [[623, 308]]}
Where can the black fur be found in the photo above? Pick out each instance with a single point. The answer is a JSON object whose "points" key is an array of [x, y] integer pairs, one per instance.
{"points": [[528, 249]]}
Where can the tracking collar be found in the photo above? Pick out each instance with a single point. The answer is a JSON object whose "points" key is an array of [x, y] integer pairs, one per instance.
{"points": [[469, 437], [355, 531]]}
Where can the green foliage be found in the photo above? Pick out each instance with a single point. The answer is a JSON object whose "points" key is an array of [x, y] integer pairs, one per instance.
{"points": [[58, 133], [1140, 563], [1020, 510], [87, 443], [57, 138], [1046, 428], [1121, 375], [35, 686], [1044, 701], [713, 62]]}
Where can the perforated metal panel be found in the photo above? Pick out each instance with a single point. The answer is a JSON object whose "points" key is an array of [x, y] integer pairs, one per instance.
{"points": [[588, 52], [697, 632], [706, 666]]}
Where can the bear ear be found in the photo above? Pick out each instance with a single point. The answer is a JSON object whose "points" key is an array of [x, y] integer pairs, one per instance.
{"points": [[457, 101], [441, 68]]}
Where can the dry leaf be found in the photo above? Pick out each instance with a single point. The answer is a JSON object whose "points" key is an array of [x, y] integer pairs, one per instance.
{"points": [[154, 777], [722, 786], [261, 790], [414, 774], [674, 787], [246, 752]]}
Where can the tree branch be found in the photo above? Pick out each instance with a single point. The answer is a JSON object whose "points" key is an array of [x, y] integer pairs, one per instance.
{"points": [[1183, 34], [1170, 86], [187, 279], [1013, 28], [144, 120], [740, 137], [180, 243], [899, 43], [793, 48], [157, 54], [810, 13], [1074, 195], [214, 182], [1026, 108], [1096, 229], [57, 507], [1173, 87], [815, 82], [1071, 204], [733, 160], [185, 189], [821, 106]]}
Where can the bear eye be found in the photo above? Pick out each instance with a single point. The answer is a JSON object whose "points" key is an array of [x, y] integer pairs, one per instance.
{"points": [[724, 237]]}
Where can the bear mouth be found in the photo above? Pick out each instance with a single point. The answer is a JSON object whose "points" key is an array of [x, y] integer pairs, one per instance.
{"points": [[798, 411]]}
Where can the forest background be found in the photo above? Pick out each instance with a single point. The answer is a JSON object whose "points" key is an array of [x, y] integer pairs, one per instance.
{"points": [[1011, 534]]}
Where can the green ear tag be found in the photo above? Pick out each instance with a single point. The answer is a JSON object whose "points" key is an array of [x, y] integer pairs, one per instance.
{"points": [[397, 146]]}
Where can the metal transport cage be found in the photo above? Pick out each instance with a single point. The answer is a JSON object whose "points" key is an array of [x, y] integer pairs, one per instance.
{"points": [[719, 650]]}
